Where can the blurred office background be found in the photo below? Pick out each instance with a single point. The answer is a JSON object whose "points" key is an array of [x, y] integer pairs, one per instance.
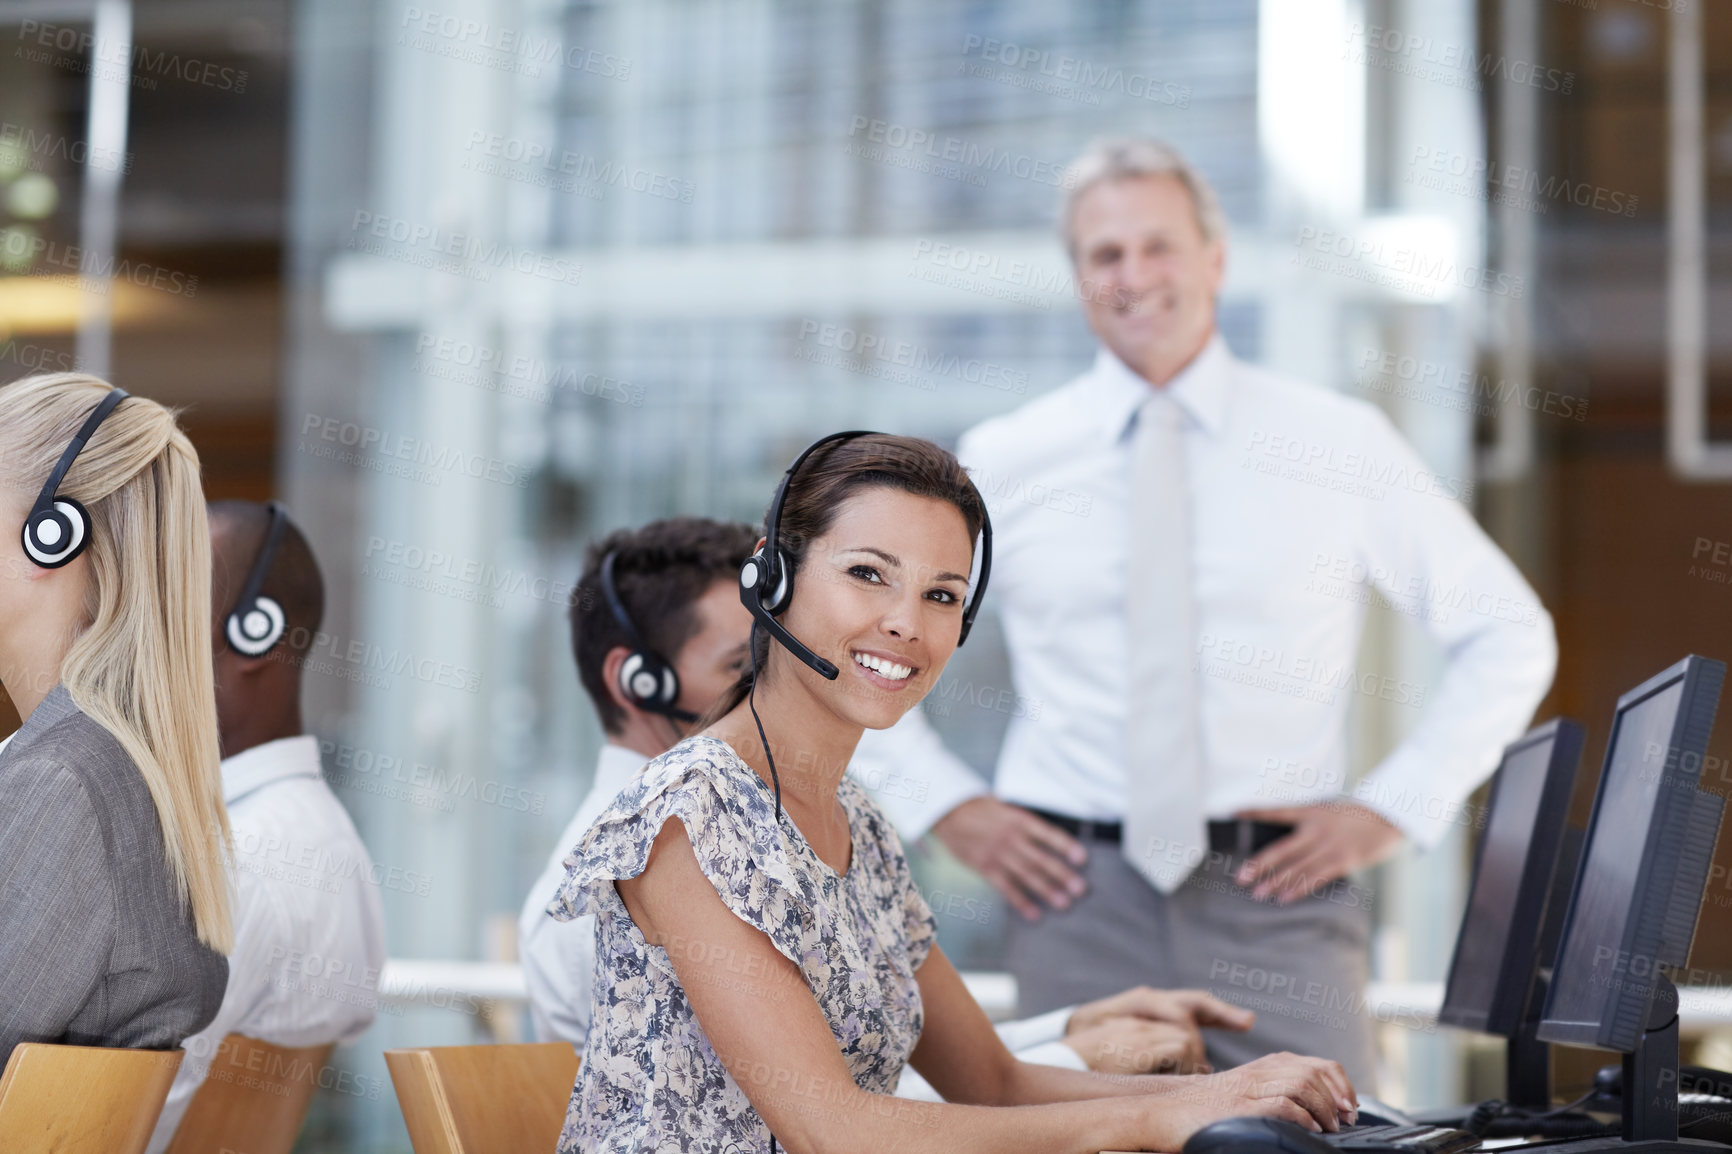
{"points": [[468, 283]]}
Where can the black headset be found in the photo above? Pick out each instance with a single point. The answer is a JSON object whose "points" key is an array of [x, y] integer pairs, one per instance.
{"points": [[648, 681], [256, 623], [767, 579], [58, 528]]}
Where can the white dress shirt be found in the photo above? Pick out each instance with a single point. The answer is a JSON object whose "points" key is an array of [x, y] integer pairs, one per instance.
{"points": [[309, 928], [1304, 502], [559, 957]]}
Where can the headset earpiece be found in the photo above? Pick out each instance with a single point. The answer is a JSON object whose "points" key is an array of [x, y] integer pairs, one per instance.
{"points": [[757, 574], [58, 528], [646, 680], [257, 623], [55, 535], [255, 632]]}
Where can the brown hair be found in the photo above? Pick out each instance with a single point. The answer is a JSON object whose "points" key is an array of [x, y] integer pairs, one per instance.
{"points": [[660, 573], [827, 479]]}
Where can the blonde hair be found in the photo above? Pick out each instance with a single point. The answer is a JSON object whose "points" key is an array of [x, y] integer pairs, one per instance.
{"points": [[1128, 157], [140, 661]]}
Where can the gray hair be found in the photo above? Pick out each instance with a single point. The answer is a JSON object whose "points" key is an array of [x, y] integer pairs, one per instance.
{"points": [[1133, 156]]}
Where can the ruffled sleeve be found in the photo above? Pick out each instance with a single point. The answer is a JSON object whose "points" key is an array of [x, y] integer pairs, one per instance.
{"points": [[730, 820]]}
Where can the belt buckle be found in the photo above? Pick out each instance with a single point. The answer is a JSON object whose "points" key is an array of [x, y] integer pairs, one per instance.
{"points": [[1242, 834]]}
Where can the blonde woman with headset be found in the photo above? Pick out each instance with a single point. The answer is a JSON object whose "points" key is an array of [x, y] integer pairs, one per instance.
{"points": [[114, 910]]}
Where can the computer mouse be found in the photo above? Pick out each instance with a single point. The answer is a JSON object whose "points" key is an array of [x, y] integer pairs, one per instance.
{"points": [[1256, 1136]]}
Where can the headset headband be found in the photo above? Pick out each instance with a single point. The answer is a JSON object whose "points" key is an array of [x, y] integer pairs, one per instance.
{"points": [[611, 592], [773, 522], [262, 567], [86, 431]]}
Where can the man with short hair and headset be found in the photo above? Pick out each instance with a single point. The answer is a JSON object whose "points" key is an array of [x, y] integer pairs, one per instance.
{"points": [[680, 579], [1186, 605], [309, 940]]}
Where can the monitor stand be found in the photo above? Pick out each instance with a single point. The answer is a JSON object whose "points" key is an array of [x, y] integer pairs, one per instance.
{"points": [[1650, 1090], [1527, 1060], [1651, 1072]]}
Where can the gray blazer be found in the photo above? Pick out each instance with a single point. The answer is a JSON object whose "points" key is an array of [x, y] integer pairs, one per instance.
{"points": [[95, 947]]}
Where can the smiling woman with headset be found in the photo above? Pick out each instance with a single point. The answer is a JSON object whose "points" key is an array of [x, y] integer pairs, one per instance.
{"points": [[765, 963], [114, 913]]}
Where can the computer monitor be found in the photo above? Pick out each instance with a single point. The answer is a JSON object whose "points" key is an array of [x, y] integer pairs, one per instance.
{"points": [[1517, 881], [1649, 845]]}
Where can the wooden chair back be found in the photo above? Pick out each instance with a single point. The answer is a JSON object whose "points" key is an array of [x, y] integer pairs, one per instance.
{"points": [[484, 1099], [253, 1099], [82, 1099]]}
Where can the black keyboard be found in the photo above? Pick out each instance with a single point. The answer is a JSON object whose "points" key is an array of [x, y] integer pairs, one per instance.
{"points": [[1422, 1139], [1267, 1136]]}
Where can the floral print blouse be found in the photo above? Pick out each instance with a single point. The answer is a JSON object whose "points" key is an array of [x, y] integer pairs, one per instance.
{"points": [[649, 1079]]}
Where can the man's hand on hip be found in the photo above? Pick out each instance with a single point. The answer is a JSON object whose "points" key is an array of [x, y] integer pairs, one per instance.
{"points": [[1023, 857], [1329, 841]]}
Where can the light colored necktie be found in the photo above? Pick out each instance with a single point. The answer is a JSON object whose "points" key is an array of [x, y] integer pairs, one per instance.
{"points": [[1165, 826]]}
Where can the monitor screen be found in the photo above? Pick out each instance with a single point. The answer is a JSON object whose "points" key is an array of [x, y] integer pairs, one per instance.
{"points": [[1498, 880], [1496, 952], [1591, 958], [1649, 842]]}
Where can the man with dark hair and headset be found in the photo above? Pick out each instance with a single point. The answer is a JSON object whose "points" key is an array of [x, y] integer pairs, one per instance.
{"points": [[671, 588], [295, 928]]}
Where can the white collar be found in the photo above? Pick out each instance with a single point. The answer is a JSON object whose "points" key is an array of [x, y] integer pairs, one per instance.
{"points": [[1202, 388], [253, 769], [615, 767]]}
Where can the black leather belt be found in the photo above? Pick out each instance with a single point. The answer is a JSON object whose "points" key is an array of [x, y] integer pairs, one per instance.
{"points": [[1240, 838]]}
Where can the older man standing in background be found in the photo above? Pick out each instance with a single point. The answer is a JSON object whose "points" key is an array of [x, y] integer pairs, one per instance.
{"points": [[1191, 641]]}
